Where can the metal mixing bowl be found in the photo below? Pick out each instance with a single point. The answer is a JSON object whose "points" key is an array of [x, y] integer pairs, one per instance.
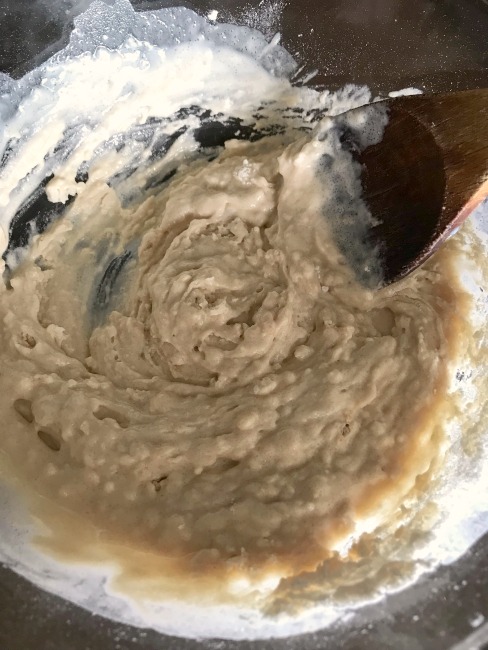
{"points": [[388, 45]]}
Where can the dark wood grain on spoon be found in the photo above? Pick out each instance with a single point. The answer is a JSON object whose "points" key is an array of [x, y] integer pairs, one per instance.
{"points": [[426, 175]]}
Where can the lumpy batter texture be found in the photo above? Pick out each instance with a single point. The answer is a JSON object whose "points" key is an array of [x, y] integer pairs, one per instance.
{"points": [[187, 360]]}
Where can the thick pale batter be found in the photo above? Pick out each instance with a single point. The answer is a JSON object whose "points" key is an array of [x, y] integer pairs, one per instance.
{"points": [[187, 361]]}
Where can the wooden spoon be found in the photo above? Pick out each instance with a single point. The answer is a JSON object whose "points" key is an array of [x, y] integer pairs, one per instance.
{"points": [[426, 176]]}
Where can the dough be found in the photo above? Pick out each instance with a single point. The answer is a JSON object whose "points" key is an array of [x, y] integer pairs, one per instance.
{"points": [[248, 394], [188, 363]]}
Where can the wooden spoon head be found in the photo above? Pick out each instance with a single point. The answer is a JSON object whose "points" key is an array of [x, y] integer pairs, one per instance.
{"points": [[426, 175]]}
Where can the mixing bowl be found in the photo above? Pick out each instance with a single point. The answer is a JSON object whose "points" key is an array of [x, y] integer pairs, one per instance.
{"points": [[388, 45]]}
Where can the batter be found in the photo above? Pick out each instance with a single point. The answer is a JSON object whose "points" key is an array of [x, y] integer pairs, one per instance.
{"points": [[188, 363]]}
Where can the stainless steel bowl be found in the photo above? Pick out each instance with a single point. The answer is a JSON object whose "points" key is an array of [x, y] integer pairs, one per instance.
{"points": [[388, 45]]}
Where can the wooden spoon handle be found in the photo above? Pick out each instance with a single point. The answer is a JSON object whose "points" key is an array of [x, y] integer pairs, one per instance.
{"points": [[478, 197]]}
